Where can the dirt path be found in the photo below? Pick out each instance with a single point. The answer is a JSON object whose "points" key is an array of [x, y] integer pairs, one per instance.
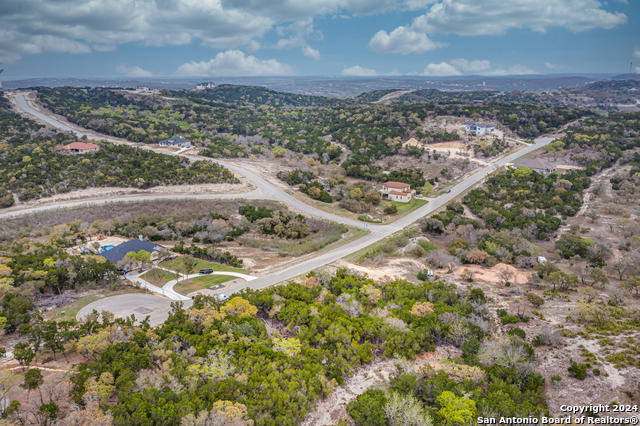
{"points": [[393, 95], [120, 193], [35, 366], [333, 408], [587, 198]]}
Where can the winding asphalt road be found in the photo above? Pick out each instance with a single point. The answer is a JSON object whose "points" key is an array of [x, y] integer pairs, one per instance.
{"points": [[266, 191]]}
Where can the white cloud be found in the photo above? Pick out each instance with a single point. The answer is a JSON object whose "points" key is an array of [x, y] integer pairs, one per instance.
{"points": [[482, 67], [442, 69], [234, 63], [296, 35], [402, 40], [418, 4], [310, 52], [496, 17], [38, 26], [358, 71], [636, 53], [254, 46], [473, 66], [551, 66], [134, 71], [514, 70]]}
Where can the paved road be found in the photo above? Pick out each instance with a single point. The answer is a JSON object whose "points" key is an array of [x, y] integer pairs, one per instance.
{"points": [[265, 190], [141, 305]]}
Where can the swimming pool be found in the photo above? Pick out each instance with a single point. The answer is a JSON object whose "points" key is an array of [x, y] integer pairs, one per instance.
{"points": [[105, 248]]}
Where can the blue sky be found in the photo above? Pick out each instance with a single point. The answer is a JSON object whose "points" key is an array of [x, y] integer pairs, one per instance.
{"points": [[147, 38]]}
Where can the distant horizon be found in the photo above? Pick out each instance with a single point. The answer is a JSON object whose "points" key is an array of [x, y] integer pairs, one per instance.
{"points": [[346, 77]]}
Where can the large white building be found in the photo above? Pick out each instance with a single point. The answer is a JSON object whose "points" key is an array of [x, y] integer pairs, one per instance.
{"points": [[176, 142], [205, 85], [147, 89], [478, 129]]}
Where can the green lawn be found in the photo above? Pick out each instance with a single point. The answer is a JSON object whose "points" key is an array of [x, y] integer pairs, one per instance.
{"points": [[168, 276], [404, 208], [202, 264], [198, 283]]}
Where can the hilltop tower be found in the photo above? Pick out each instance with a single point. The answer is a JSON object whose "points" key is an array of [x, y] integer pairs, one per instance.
{"points": [[1, 69]]}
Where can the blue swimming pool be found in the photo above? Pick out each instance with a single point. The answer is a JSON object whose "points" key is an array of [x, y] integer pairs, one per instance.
{"points": [[105, 248]]}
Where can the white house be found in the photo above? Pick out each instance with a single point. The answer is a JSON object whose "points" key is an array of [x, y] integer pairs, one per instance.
{"points": [[147, 89], [176, 142], [477, 129], [397, 191], [202, 86]]}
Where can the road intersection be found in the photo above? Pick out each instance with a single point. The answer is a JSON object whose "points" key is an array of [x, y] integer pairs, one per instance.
{"points": [[267, 191]]}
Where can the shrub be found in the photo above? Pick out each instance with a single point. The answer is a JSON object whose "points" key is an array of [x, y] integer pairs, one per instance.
{"points": [[252, 214], [517, 331], [421, 309], [390, 209], [405, 384], [596, 371], [579, 371], [427, 246], [535, 300], [460, 372], [509, 319], [470, 347], [368, 409]]}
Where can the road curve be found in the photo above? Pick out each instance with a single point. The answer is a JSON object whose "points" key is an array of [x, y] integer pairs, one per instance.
{"points": [[267, 191]]}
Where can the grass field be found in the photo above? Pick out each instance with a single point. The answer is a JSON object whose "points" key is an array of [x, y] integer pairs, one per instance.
{"points": [[202, 264], [168, 276], [404, 208], [198, 283]]}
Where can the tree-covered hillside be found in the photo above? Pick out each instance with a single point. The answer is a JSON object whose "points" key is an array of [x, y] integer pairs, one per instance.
{"points": [[258, 96], [32, 164]]}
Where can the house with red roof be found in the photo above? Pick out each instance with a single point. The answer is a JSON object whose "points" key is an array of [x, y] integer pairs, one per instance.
{"points": [[80, 147], [397, 191]]}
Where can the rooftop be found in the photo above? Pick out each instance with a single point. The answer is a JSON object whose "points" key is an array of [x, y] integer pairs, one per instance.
{"points": [[534, 163], [81, 146], [118, 253], [403, 194], [399, 185], [176, 139], [473, 123]]}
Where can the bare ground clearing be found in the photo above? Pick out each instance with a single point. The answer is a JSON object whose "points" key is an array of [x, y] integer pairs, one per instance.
{"points": [[119, 193]]}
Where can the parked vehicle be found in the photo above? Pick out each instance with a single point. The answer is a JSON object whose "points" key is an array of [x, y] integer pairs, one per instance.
{"points": [[448, 191], [206, 271]]}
